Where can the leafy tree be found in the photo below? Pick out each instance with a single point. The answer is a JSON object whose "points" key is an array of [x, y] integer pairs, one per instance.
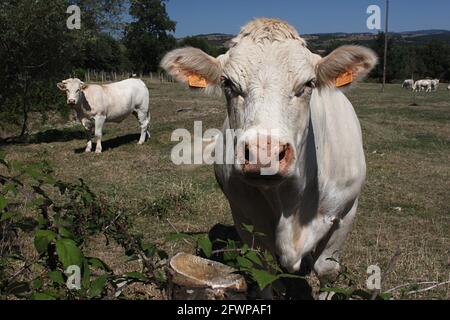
{"points": [[32, 50], [148, 37], [37, 49]]}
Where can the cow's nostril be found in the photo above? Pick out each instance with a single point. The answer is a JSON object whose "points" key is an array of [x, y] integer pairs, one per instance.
{"points": [[247, 153], [282, 154]]}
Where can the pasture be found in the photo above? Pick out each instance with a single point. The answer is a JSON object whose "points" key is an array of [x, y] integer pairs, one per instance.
{"points": [[404, 209]]}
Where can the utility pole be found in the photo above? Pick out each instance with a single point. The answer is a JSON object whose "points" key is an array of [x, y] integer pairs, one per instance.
{"points": [[386, 32]]}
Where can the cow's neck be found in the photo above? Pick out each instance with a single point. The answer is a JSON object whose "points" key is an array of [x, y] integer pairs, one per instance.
{"points": [[82, 108]]}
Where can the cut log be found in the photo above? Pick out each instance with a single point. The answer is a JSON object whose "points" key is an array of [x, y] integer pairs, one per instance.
{"points": [[196, 278]]}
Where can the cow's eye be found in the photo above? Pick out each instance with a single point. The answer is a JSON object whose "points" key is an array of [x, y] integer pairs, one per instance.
{"points": [[306, 88]]}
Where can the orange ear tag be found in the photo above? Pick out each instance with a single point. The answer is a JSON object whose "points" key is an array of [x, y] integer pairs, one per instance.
{"points": [[196, 81], [344, 79]]}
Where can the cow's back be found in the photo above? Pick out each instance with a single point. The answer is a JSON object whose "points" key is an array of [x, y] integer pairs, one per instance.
{"points": [[118, 99]]}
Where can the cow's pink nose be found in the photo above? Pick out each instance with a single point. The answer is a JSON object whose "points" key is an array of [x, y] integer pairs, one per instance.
{"points": [[262, 154]]}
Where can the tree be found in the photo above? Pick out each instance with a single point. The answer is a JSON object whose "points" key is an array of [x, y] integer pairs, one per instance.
{"points": [[37, 50], [33, 47], [101, 15], [148, 37]]}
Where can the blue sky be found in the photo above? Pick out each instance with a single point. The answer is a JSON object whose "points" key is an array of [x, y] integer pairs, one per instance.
{"points": [[308, 16]]}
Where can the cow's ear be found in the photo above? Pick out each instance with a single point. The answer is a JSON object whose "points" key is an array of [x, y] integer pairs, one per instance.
{"points": [[345, 65], [193, 67], [61, 86], [83, 85]]}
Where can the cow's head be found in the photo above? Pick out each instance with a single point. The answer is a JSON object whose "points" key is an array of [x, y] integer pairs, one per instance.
{"points": [[268, 77], [73, 89]]}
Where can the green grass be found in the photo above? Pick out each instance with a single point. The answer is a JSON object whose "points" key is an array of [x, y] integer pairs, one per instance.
{"points": [[408, 158]]}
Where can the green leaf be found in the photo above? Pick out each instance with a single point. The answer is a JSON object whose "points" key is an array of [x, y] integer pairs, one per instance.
{"points": [[136, 276], [244, 263], [244, 249], [206, 246], [344, 291], [149, 250], [65, 233], [248, 227], [87, 196], [56, 277], [37, 284], [3, 202], [98, 286], [42, 296], [96, 262], [68, 253], [42, 238], [386, 296], [253, 257], [263, 278]]}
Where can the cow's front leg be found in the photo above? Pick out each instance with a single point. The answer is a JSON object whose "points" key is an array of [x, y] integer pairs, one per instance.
{"points": [[326, 256], [87, 124], [99, 122]]}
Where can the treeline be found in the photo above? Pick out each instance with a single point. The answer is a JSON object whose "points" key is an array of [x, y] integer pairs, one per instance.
{"points": [[405, 61]]}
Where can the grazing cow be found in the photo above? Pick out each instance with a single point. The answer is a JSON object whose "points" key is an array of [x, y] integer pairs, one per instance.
{"points": [[435, 84], [422, 85], [284, 101], [408, 84], [97, 104]]}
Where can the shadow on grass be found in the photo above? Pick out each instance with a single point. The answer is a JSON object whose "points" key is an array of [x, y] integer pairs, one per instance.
{"points": [[113, 143], [47, 136]]}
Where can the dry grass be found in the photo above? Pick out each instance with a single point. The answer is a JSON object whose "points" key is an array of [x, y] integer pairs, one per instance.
{"points": [[408, 156]]}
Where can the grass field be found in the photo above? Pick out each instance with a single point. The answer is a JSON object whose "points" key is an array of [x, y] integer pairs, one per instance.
{"points": [[404, 206]]}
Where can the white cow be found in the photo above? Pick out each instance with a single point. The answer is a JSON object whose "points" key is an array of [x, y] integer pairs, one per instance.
{"points": [[97, 104], [408, 84], [448, 88], [435, 84], [284, 99], [422, 85]]}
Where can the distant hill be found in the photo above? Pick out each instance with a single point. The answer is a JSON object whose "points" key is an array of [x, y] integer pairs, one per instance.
{"points": [[322, 40]]}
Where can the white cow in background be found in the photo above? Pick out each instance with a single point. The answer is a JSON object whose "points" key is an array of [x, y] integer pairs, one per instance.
{"points": [[422, 85], [97, 104], [448, 88], [435, 84], [283, 100], [408, 84]]}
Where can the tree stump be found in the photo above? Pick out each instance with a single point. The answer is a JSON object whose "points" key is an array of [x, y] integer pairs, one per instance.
{"points": [[196, 278]]}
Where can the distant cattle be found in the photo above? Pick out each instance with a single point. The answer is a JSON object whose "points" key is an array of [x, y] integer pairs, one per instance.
{"points": [[422, 85], [285, 105], [435, 84], [448, 88], [97, 104], [408, 84]]}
